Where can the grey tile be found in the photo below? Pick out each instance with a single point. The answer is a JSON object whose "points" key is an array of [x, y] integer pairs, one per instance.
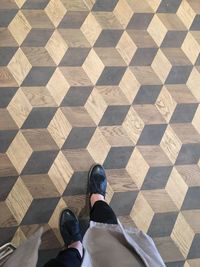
{"points": [[111, 76], [152, 134], [118, 157], [77, 184], [6, 16], [74, 56], [114, 115], [39, 118], [197, 63], [45, 254], [192, 199], [104, 5], [184, 113], [156, 178], [122, 202], [37, 37], [39, 162], [6, 54], [73, 19], [140, 21], [8, 5], [6, 234], [108, 38], [36, 4], [162, 224], [79, 138], [189, 154], [38, 76], [143, 56], [196, 24], [6, 185], [169, 6], [40, 211], [194, 249], [178, 75], [6, 94], [6, 137], [76, 96], [174, 39], [175, 264], [147, 94]]}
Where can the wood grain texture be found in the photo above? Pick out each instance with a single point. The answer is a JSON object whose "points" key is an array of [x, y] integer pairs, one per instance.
{"points": [[19, 200], [109, 82], [19, 152]]}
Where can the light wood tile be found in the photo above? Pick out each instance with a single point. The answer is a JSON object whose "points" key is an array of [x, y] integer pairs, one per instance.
{"points": [[19, 66], [182, 235], [19, 27], [60, 172], [19, 200], [19, 108], [19, 152]]}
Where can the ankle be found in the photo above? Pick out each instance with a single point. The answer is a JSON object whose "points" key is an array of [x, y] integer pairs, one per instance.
{"points": [[77, 245], [96, 197]]}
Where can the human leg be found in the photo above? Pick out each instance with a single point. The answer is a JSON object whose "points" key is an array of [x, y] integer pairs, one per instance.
{"points": [[70, 231], [103, 213], [69, 257], [100, 210]]}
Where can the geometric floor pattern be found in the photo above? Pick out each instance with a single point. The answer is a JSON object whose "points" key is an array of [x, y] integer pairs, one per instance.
{"points": [[114, 82]]}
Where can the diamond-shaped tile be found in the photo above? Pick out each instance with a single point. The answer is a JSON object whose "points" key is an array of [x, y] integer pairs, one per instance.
{"points": [[118, 157], [189, 154], [73, 19], [38, 76], [24, 200], [6, 94], [152, 134], [19, 108], [39, 162], [39, 118], [78, 137], [122, 202], [6, 137], [114, 115], [38, 4], [19, 152], [6, 184], [19, 66], [113, 82], [55, 11], [40, 186], [6, 53], [37, 37], [168, 6], [19, 27], [156, 177], [76, 96], [40, 211], [77, 184], [56, 47], [162, 224], [6, 16]]}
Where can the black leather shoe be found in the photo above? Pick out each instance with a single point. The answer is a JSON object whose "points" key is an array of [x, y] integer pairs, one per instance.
{"points": [[97, 180], [69, 227]]}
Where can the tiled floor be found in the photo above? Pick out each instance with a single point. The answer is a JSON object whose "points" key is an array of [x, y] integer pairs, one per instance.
{"points": [[114, 82]]}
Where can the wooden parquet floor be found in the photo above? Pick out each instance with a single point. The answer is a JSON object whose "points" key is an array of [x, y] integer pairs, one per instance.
{"points": [[107, 81]]}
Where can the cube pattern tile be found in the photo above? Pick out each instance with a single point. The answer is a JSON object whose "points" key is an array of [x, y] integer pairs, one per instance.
{"points": [[108, 81]]}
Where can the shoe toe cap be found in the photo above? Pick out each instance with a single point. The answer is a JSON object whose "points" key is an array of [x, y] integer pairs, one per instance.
{"points": [[98, 169]]}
